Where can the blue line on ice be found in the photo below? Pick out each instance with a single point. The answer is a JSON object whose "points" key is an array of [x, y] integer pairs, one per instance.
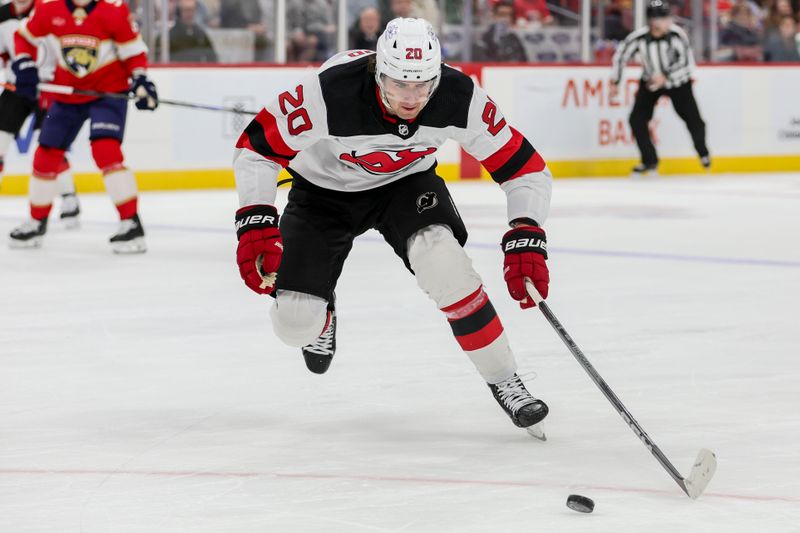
{"points": [[496, 246]]}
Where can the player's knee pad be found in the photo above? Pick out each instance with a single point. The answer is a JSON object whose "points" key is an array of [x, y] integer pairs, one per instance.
{"points": [[107, 154], [298, 318], [47, 161], [443, 269]]}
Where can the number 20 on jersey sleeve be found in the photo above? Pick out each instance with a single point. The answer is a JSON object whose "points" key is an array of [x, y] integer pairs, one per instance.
{"points": [[489, 116], [297, 118]]}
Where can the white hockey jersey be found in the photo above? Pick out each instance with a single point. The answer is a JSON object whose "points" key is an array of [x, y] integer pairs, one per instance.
{"points": [[333, 130], [9, 22]]}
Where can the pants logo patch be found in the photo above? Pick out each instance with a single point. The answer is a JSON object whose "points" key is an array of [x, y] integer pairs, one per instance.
{"points": [[427, 200]]}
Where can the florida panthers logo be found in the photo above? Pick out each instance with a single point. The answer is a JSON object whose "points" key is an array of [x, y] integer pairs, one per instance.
{"points": [[80, 53], [386, 162], [427, 200]]}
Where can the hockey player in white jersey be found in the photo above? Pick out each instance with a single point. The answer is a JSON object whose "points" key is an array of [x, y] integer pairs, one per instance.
{"points": [[359, 139], [15, 109]]}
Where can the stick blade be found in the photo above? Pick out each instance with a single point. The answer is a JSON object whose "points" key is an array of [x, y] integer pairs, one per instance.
{"points": [[702, 471]]}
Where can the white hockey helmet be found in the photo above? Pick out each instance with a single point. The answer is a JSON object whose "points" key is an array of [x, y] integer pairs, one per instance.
{"points": [[408, 50]]}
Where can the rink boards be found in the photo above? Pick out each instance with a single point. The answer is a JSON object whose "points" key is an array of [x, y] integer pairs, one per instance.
{"points": [[751, 112]]}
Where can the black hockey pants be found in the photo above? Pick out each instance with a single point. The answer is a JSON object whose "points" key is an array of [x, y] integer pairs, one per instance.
{"points": [[685, 105]]}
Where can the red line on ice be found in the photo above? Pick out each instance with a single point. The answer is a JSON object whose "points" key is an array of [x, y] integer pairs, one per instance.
{"points": [[402, 479]]}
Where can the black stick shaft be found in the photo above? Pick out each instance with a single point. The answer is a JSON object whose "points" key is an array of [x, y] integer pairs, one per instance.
{"points": [[609, 394], [65, 89], [125, 96]]}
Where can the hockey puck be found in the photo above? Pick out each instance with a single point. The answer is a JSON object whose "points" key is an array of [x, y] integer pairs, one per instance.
{"points": [[579, 503]]}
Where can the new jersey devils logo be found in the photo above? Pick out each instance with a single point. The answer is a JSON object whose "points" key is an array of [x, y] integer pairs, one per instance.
{"points": [[386, 162], [427, 200]]}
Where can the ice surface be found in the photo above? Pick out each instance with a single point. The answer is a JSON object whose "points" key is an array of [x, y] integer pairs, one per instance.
{"points": [[148, 393]]}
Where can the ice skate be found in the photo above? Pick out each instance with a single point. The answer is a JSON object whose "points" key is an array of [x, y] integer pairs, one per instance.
{"points": [[70, 209], [28, 234], [129, 238], [319, 354], [523, 409], [644, 171], [706, 162]]}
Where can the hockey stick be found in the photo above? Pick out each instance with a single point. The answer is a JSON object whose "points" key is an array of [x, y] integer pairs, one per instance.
{"points": [[706, 463], [66, 89]]}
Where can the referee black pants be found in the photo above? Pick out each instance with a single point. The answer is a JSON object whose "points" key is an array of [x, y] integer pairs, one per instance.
{"points": [[685, 105]]}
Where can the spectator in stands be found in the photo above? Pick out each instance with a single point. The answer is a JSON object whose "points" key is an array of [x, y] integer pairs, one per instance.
{"points": [[311, 29], [782, 45], [740, 40], [201, 13], [364, 36], [400, 8], [498, 42], [246, 14], [354, 9], [426, 9], [188, 40], [530, 13], [618, 20], [775, 12]]}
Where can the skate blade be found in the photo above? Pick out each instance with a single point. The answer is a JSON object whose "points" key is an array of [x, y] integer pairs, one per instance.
{"points": [[16, 244], [71, 222], [644, 175], [134, 246], [537, 431]]}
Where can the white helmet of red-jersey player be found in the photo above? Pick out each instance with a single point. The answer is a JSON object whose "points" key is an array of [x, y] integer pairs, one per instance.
{"points": [[408, 50]]}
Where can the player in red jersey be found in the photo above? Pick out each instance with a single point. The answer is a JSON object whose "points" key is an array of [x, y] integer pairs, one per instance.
{"points": [[99, 49], [15, 110]]}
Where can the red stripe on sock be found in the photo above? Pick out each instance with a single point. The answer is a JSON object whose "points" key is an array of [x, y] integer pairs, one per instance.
{"points": [[127, 208], [40, 212], [482, 338], [466, 306]]}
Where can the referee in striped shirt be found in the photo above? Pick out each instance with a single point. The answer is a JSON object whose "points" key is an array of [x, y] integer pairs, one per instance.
{"points": [[667, 62]]}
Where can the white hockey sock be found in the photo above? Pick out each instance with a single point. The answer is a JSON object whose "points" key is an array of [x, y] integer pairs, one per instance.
{"points": [[5, 142], [120, 185], [66, 182], [445, 273], [41, 193]]}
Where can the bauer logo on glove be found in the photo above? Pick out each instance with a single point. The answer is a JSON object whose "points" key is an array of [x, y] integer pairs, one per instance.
{"points": [[260, 247], [532, 243], [525, 249]]}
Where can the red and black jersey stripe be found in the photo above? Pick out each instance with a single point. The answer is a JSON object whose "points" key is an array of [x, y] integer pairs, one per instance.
{"points": [[474, 321], [262, 136], [515, 158]]}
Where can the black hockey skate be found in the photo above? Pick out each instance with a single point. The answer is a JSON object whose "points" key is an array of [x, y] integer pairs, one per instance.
{"points": [[706, 162], [641, 170], [129, 238], [70, 209], [523, 409], [28, 234], [319, 354]]}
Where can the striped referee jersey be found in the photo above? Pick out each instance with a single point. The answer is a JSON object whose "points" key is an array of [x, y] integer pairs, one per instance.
{"points": [[669, 55]]}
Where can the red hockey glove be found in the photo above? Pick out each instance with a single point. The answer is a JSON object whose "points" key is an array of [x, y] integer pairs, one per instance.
{"points": [[526, 249], [260, 247]]}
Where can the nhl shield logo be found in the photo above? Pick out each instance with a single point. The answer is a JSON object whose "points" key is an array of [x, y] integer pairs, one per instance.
{"points": [[80, 53], [402, 129], [427, 200]]}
